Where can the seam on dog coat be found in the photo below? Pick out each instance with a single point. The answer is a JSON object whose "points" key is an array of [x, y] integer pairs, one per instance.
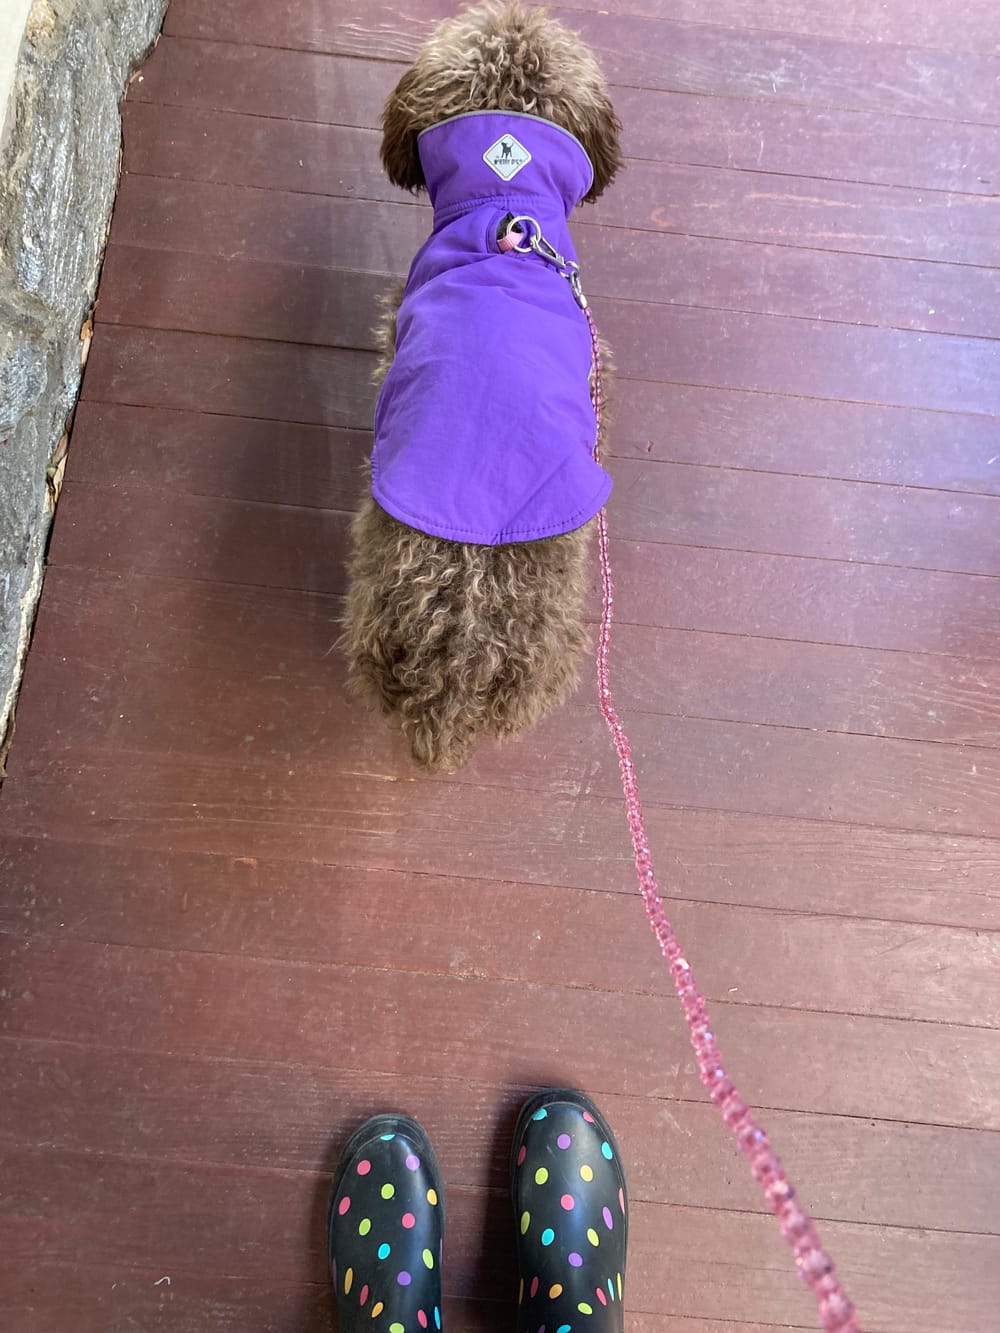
{"points": [[484, 428]]}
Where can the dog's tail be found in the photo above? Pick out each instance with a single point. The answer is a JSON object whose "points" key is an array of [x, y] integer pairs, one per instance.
{"points": [[456, 643]]}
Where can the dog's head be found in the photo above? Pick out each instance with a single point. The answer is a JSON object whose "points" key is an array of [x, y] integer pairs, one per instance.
{"points": [[501, 57]]}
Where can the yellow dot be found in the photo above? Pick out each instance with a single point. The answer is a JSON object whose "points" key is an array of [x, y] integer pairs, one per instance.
{"points": [[587, 1172], [541, 1176], [364, 1226], [584, 1308], [520, 1292], [593, 1237], [432, 1198], [525, 1222], [377, 1309], [348, 1280], [619, 1286], [396, 1328], [388, 1191], [428, 1259], [555, 1290]]}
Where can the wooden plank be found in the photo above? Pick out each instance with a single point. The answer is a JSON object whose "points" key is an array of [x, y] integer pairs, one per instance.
{"points": [[93, 619], [694, 1262], [285, 1118], [207, 293], [331, 160], [759, 135], [476, 928], [679, 587], [212, 1005], [703, 58]]}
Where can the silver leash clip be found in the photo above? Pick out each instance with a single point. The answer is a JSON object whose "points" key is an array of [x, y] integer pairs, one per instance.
{"points": [[532, 240]]}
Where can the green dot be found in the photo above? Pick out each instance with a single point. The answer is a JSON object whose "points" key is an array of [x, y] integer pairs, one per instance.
{"points": [[593, 1237], [388, 1191], [396, 1328], [584, 1308], [428, 1259], [541, 1176], [364, 1226], [525, 1223]]}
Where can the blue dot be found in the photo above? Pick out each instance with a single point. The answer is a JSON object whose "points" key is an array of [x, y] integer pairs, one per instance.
{"points": [[540, 1114], [384, 1250], [548, 1236], [611, 1289], [564, 1328], [606, 1150], [437, 1317], [387, 1138]]}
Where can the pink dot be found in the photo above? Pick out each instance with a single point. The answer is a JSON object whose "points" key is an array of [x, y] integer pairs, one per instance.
{"points": [[412, 1163], [564, 1140], [601, 1296], [609, 1221], [364, 1293], [364, 1167], [621, 1199], [589, 1118], [522, 1154], [568, 1202], [343, 1206], [421, 1319], [409, 1221], [534, 1286]]}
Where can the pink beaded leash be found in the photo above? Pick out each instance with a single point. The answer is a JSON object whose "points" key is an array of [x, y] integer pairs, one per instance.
{"points": [[814, 1264]]}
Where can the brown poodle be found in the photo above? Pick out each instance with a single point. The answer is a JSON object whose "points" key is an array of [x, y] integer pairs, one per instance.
{"points": [[458, 640]]}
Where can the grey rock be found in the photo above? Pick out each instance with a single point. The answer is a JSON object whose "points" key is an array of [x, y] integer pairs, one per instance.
{"points": [[58, 173]]}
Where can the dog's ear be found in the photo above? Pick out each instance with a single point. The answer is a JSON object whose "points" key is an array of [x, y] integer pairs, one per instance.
{"points": [[601, 137], [400, 158]]}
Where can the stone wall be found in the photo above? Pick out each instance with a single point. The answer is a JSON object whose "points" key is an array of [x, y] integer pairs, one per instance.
{"points": [[59, 161]]}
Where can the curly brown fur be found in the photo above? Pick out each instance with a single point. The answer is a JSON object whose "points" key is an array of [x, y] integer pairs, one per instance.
{"points": [[499, 57], [456, 641]]}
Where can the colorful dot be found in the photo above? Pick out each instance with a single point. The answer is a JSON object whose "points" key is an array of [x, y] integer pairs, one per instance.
{"points": [[601, 1296], [364, 1167], [409, 1221], [384, 1250], [619, 1286], [364, 1226], [437, 1317], [587, 1172], [403, 1278], [555, 1290], [387, 1138], [575, 1260], [567, 1202], [592, 1236], [548, 1236], [421, 1319], [348, 1281], [520, 1292], [522, 1154], [565, 1328], [589, 1118], [343, 1206], [525, 1223], [388, 1191], [364, 1294], [428, 1259], [611, 1289], [432, 1198], [377, 1309], [540, 1114], [584, 1308], [534, 1288], [563, 1141], [412, 1163], [606, 1150], [609, 1221], [621, 1200], [396, 1328], [541, 1175]]}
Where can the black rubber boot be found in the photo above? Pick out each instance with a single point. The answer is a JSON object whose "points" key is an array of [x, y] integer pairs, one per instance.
{"points": [[386, 1229], [571, 1210]]}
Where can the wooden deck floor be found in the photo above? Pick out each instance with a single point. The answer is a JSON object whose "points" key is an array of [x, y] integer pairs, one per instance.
{"points": [[234, 920]]}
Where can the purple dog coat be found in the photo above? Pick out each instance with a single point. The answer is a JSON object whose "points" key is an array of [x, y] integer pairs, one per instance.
{"points": [[484, 429]]}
